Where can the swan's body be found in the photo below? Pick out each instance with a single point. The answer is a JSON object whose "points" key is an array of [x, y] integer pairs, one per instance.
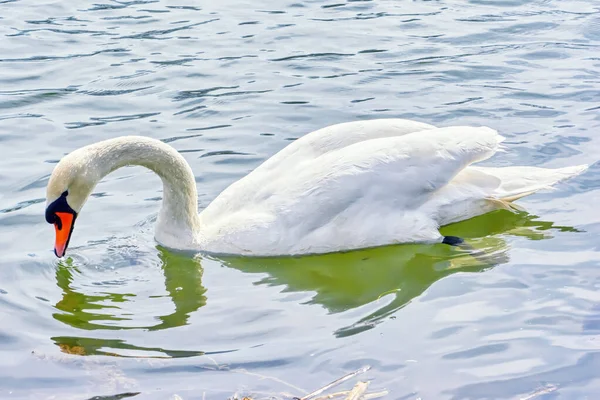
{"points": [[347, 186]]}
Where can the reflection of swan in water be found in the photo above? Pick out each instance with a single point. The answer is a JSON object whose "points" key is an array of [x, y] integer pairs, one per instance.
{"points": [[344, 281], [183, 283], [340, 282]]}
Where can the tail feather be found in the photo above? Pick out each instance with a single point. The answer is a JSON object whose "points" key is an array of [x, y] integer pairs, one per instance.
{"points": [[517, 182], [503, 204]]}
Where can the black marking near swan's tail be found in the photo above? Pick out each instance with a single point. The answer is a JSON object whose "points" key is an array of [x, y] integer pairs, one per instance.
{"points": [[453, 240], [463, 245]]}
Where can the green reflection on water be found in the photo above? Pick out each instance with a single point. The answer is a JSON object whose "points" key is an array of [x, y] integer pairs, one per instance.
{"points": [[340, 282], [183, 283], [343, 281]]}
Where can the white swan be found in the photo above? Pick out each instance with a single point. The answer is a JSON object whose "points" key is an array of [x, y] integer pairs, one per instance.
{"points": [[347, 186]]}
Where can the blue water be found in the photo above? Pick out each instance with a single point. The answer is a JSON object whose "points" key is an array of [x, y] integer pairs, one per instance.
{"points": [[228, 83]]}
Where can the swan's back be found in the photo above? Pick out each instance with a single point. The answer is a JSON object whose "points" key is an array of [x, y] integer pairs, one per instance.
{"points": [[355, 196], [339, 136], [305, 151]]}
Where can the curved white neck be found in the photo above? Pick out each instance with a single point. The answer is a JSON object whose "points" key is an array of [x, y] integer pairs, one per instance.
{"points": [[178, 220]]}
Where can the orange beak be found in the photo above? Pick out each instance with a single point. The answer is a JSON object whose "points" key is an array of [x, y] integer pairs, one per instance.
{"points": [[63, 232]]}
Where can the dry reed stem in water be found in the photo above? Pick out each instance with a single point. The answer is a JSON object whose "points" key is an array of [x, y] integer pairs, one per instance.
{"points": [[272, 378], [333, 395], [358, 390], [336, 382], [540, 392], [375, 395], [366, 396]]}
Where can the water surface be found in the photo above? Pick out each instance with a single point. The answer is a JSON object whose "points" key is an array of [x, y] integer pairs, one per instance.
{"points": [[228, 83]]}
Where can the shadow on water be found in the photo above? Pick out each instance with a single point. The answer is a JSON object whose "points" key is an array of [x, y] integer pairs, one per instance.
{"points": [[340, 282]]}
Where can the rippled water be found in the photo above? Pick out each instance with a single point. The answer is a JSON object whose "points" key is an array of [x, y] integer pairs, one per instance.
{"points": [[230, 82]]}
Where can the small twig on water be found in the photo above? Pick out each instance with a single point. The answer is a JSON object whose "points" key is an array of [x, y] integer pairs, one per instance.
{"points": [[366, 396], [333, 395], [358, 390], [272, 378], [375, 395], [540, 392], [335, 383]]}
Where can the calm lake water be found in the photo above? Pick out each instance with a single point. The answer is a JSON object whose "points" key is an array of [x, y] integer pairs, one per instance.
{"points": [[228, 83]]}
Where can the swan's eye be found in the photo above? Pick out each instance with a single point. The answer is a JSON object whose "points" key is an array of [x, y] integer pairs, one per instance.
{"points": [[50, 216], [54, 219]]}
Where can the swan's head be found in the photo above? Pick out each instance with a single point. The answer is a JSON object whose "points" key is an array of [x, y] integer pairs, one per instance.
{"points": [[69, 187]]}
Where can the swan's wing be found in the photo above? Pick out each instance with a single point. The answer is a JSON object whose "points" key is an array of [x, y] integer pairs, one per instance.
{"points": [[406, 169], [338, 136], [371, 192]]}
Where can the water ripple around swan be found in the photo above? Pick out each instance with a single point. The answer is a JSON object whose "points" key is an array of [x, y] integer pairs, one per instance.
{"points": [[228, 84]]}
